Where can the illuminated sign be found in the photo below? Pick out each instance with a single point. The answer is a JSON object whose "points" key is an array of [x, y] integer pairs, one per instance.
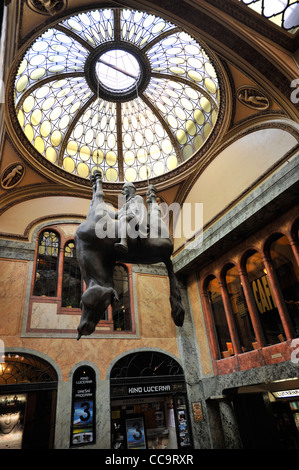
{"points": [[286, 393], [146, 389], [149, 389]]}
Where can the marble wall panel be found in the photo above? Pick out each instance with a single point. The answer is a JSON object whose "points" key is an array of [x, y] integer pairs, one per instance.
{"points": [[13, 278], [154, 306], [44, 316], [198, 320]]}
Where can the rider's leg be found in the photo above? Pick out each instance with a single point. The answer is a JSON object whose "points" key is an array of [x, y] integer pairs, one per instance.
{"points": [[122, 246]]}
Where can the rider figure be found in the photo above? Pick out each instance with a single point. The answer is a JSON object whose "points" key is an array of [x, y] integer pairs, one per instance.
{"points": [[132, 215]]}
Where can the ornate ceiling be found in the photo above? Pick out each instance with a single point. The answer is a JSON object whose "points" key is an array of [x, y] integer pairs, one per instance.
{"points": [[116, 89]]}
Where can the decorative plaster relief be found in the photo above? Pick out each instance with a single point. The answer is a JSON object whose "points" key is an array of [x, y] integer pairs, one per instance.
{"points": [[47, 7], [12, 175], [253, 98]]}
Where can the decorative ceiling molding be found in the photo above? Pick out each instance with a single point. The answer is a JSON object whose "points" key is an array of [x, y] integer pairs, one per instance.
{"points": [[47, 7]]}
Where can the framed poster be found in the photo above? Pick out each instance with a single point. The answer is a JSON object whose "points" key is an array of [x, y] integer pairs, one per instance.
{"points": [[12, 411], [135, 433], [83, 407]]}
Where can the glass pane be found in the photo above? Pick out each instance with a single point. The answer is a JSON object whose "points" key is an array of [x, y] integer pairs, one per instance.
{"points": [[118, 70], [239, 308], [287, 273], [284, 13], [265, 303], [219, 317], [47, 265], [121, 311], [71, 281]]}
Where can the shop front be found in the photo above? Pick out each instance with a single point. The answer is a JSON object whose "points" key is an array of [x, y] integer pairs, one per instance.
{"points": [[268, 414], [28, 393], [149, 410]]}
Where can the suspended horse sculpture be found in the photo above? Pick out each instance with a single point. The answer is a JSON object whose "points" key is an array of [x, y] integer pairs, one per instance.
{"points": [[130, 235]]}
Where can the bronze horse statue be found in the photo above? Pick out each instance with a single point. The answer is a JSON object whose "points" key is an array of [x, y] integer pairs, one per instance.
{"points": [[98, 240]]}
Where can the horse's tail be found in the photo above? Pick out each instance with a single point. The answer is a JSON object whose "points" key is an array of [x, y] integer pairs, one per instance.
{"points": [[177, 310]]}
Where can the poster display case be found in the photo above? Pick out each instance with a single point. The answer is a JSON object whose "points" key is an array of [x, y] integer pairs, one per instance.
{"points": [[135, 433], [184, 436], [83, 407]]}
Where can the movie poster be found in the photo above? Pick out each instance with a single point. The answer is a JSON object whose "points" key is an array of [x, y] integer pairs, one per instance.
{"points": [[83, 422], [12, 412], [135, 433]]}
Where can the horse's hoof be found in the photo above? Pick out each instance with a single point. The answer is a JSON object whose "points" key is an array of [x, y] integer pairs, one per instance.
{"points": [[120, 248]]}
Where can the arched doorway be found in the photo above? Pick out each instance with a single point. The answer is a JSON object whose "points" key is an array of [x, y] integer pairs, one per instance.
{"points": [[28, 390], [149, 408]]}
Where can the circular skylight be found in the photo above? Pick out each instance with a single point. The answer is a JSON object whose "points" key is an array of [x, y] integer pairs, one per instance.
{"points": [[117, 90], [118, 70]]}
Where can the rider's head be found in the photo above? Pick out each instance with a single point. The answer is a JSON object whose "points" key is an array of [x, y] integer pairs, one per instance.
{"points": [[128, 188]]}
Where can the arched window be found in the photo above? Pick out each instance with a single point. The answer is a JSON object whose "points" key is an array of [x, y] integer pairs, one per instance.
{"points": [[121, 311], [71, 278], [46, 273], [287, 273], [239, 309], [265, 303], [219, 317]]}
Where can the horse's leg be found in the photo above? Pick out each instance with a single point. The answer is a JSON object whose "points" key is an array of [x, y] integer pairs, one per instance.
{"points": [[177, 310]]}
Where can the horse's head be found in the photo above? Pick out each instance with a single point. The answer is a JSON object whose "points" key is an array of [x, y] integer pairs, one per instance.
{"points": [[94, 302]]}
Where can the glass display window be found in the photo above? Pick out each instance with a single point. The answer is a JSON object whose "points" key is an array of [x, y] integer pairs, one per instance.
{"points": [[219, 318], [239, 309], [153, 411], [265, 302], [287, 273]]}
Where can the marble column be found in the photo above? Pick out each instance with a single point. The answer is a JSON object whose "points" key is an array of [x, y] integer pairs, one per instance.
{"points": [[229, 425], [103, 423], [254, 316], [230, 318], [63, 416], [190, 358], [279, 300], [295, 247]]}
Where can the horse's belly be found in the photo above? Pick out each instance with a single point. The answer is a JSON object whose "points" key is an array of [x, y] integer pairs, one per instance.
{"points": [[86, 232]]}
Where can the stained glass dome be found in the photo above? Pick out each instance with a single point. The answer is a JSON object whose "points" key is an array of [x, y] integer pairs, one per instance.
{"points": [[116, 89]]}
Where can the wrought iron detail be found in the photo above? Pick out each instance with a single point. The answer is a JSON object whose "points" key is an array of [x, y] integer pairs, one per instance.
{"points": [[26, 369], [146, 364]]}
